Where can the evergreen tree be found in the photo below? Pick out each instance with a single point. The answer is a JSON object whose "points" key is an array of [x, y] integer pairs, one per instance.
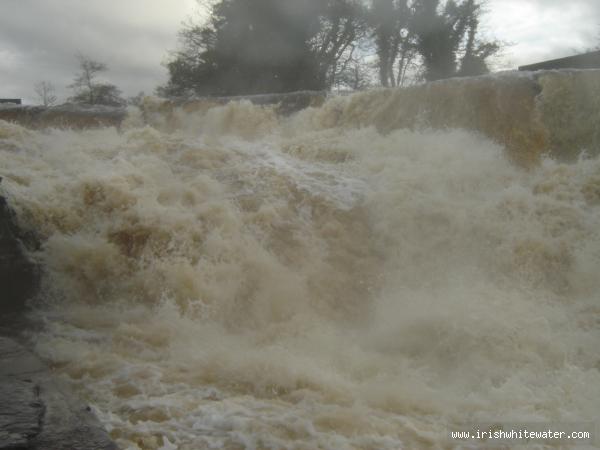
{"points": [[390, 20], [446, 38], [476, 52], [265, 46], [438, 37]]}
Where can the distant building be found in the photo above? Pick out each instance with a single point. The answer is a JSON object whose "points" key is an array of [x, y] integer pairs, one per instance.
{"points": [[10, 100], [589, 60]]}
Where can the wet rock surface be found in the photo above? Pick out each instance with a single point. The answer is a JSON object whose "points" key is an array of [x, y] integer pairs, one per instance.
{"points": [[36, 410], [21, 411], [19, 275]]}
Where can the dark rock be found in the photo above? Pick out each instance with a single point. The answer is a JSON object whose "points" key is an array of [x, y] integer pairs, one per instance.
{"points": [[21, 413], [37, 412], [19, 275]]}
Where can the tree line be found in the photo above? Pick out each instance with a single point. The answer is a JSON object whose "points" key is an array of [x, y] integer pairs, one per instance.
{"points": [[260, 46], [87, 88], [269, 46]]}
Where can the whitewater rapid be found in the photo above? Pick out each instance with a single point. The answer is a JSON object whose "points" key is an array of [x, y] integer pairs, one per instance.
{"points": [[251, 281]]}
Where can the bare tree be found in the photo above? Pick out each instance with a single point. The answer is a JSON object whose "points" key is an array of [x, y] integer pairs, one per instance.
{"points": [[45, 92], [136, 100], [342, 26], [393, 40], [88, 90]]}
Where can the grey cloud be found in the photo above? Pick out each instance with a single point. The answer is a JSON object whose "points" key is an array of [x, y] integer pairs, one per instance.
{"points": [[40, 40], [41, 37], [544, 29]]}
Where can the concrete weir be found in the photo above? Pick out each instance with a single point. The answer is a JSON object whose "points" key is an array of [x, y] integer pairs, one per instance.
{"points": [[93, 116], [530, 113]]}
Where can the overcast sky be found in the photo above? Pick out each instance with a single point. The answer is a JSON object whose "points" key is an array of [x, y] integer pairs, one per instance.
{"points": [[39, 38]]}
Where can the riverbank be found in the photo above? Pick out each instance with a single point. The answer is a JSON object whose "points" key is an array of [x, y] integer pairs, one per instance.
{"points": [[37, 411]]}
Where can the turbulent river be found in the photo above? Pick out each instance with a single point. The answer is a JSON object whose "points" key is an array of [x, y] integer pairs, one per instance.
{"points": [[250, 281]]}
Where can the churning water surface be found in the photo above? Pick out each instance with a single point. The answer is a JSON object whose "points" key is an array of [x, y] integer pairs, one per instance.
{"points": [[255, 282]]}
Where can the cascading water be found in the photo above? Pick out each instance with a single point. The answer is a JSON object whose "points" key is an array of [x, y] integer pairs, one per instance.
{"points": [[253, 281]]}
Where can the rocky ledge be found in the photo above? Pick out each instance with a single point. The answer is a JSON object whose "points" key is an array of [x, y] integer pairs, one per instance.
{"points": [[37, 411], [19, 275]]}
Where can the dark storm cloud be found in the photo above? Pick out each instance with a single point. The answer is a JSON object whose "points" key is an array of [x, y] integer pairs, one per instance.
{"points": [[40, 40]]}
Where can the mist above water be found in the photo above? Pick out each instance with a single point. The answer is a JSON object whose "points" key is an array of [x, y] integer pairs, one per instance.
{"points": [[252, 281]]}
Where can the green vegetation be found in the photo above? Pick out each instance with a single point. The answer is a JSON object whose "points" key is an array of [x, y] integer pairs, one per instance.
{"points": [[288, 45]]}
